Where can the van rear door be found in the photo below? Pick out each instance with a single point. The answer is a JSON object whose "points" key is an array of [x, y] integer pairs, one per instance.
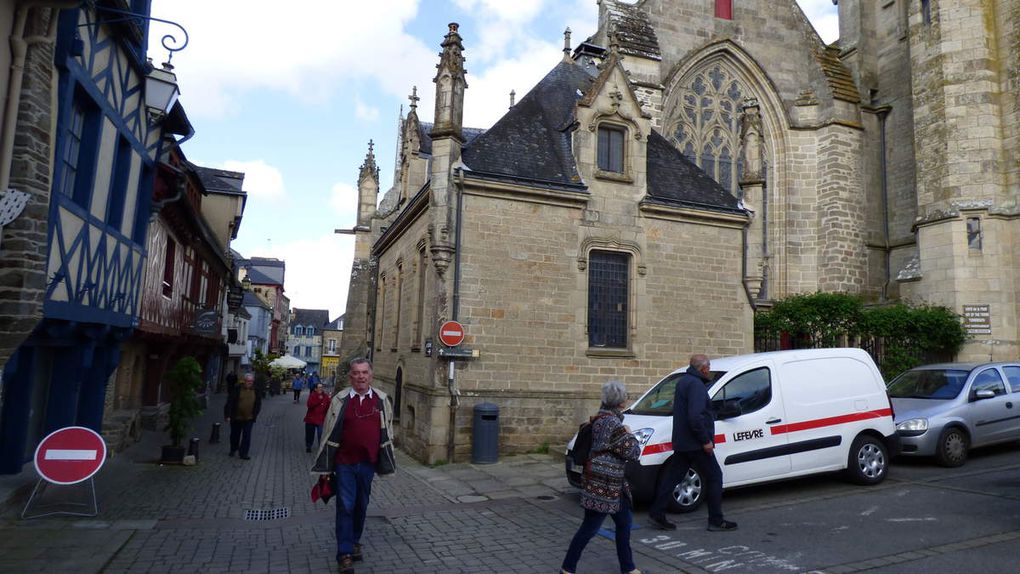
{"points": [[747, 405]]}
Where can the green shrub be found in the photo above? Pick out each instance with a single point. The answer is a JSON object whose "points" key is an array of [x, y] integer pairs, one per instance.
{"points": [[185, 381]]}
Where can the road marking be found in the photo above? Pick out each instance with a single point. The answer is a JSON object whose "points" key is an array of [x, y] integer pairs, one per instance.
{"points": [[70, 454]]}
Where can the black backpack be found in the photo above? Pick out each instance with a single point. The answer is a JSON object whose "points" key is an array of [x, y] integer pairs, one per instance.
{"points": [[582, 445]]}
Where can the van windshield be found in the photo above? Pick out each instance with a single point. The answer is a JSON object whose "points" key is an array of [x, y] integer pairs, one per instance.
{"points": [[659, 400], [928, 384]]}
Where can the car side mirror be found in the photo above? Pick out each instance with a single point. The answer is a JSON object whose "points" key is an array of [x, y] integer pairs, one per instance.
{"points": [[984, 394]]}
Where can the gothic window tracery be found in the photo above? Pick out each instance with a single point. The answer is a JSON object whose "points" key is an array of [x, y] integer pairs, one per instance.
{"points": [[707, 129]]}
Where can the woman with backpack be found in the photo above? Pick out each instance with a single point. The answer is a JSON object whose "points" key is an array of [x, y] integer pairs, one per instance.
{"points": [[605, 491]]}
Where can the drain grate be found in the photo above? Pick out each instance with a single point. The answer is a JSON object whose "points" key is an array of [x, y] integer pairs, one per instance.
{"points": [[271, 514]]}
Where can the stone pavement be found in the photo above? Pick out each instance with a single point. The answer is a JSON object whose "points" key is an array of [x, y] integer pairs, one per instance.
{"points": [[514, 516]]}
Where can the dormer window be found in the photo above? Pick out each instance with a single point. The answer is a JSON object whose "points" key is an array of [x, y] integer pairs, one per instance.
{"points": [[611, 148]]}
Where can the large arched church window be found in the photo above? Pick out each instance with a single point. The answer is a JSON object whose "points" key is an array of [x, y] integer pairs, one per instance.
{"points": [[707, 128]]}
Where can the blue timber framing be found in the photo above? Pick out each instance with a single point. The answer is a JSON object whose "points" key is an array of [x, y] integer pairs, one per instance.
{"points": [[58, 376]]}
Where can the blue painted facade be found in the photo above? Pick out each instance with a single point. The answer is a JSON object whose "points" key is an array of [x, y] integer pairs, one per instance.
{"points": [[105, 153]]}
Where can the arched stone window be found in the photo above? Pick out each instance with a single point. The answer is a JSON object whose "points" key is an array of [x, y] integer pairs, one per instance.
{"points": [[707, 128]]}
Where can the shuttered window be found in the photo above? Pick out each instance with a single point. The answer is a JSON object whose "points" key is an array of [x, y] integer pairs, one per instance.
{"points": [[608, 280]]}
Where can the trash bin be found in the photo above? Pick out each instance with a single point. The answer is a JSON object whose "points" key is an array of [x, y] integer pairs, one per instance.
{"points": [[485, 438]]}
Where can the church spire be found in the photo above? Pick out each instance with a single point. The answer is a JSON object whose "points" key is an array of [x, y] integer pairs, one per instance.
{"points": [[369, 167], [450, 85]]}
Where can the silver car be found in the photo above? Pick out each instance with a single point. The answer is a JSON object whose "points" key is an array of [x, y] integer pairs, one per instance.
{"points": [[945, 410]]}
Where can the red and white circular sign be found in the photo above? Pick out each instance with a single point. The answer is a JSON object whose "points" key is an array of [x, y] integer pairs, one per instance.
{"points": [[451, 333], [70, 455]]}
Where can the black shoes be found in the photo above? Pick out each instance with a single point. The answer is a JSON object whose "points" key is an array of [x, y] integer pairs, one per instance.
{"points": [[661, 522], [231, 453], [245, 457], [346, 564], [357, 556], [308, 449], [724, 526]]}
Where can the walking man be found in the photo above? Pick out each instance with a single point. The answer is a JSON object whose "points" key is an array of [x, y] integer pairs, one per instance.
{"points": [[693, 443], [242, 408], [359, 428], [296, 385]]}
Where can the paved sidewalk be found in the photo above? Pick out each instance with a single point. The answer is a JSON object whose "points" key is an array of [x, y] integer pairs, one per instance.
{"points": [[514, 516]]}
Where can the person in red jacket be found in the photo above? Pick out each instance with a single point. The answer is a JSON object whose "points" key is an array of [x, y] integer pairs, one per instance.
{"points": [[318, 404]]}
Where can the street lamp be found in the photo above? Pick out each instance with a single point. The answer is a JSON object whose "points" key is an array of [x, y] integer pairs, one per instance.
{"points": [[246, 283], [161, 91]]}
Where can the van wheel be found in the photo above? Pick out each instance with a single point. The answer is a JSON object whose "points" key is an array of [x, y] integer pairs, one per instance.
{"points": [[952, 448], [686, 494], [868, 461]]}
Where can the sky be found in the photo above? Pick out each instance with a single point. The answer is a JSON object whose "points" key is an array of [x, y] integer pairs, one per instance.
{"points": [[291, 96]]}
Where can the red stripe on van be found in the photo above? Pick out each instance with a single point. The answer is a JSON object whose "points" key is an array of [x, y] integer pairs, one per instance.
{"points": [[830, 421], [668, 446]]}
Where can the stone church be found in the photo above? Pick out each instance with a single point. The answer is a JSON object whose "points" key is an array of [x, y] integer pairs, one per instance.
{"points": [[689, 163]]}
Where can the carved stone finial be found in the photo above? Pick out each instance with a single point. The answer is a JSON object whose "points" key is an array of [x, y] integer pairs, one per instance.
{"points": [[414, 98], [369, 167], [566, 44], [513, 95]]}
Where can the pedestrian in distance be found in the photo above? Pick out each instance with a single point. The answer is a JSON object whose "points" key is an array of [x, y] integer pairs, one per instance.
{"points": [[241, 410], [318, 404], [358, 445], [693, 443], [605, 490], [296, 385]]}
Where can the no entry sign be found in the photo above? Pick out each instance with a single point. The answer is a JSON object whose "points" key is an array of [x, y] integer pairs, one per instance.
{"points": [[70, 455], [451, 333]]}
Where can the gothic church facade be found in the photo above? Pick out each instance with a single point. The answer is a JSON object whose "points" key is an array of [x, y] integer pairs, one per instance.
{"points": [[692, 161]]}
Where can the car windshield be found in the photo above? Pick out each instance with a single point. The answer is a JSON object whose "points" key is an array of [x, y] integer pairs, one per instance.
{"points": [[659, 401], [928, 384]]}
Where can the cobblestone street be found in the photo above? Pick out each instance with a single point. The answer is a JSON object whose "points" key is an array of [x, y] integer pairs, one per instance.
{"points": [[514, 516]]}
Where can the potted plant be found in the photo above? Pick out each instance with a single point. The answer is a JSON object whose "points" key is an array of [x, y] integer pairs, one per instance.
{"points": [[185, 381]]}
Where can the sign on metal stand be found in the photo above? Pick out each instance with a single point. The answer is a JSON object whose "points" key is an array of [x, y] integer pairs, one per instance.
{"points": [[67, 456]]}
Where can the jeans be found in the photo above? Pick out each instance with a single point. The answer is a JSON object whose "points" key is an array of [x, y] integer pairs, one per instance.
{"points": [[297, 395], [240, 436], [312, 432], [354, 487], [711, 480], [592, 522]]}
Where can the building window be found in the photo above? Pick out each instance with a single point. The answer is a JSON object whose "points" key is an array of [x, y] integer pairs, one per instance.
{"points": [[724, 9], [608, 280], [118, 185], [419, 315], [974, 233], [926, 12], [308, 351], [168, 267], [309, 331], [298, 330], [78, 151], [611, 148], [331, 346], [380, 312], [400, 297], [141, 223], [706, 128]]}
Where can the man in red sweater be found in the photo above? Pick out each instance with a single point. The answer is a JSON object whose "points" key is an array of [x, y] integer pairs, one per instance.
{"points": [[359, 427]]}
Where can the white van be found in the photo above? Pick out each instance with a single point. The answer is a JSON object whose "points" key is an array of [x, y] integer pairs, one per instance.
{"points": [[779, 415]]}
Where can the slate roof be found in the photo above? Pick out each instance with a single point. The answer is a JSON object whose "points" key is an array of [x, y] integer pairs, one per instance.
{"points": [[674, 179], [314, 317], [252, 300], [259, 278], [633, 31], [532, 141], [220, 180], [425, 128], [336, 324]]}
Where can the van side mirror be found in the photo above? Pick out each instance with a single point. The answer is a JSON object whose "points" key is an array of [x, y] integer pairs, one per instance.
{"points": [[983, 394]]}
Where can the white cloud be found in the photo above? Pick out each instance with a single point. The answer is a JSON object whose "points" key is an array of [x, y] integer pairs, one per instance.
{"points": [[308, 51], [343, 198], [261, 180], [488, 96], [823, 16], [363, 111], [318, 271]]}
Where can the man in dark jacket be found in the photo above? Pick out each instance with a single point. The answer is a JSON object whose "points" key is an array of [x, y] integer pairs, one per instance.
{"points": [[242, 408], [693, 443]]}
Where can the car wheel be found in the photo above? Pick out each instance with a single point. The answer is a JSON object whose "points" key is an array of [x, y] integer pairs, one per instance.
{"points": [[952, 448], [868, 461], [686, 494]]}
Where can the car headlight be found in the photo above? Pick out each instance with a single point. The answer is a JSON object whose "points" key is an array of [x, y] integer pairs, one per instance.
{"points": [[913, 426], [642, 435]]}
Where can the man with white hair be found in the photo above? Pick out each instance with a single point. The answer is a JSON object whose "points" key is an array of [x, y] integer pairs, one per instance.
{"points": [[242, 408]]}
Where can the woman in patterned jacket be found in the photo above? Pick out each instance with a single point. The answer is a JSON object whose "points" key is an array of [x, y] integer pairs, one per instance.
{"points": [[605, 490]]}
